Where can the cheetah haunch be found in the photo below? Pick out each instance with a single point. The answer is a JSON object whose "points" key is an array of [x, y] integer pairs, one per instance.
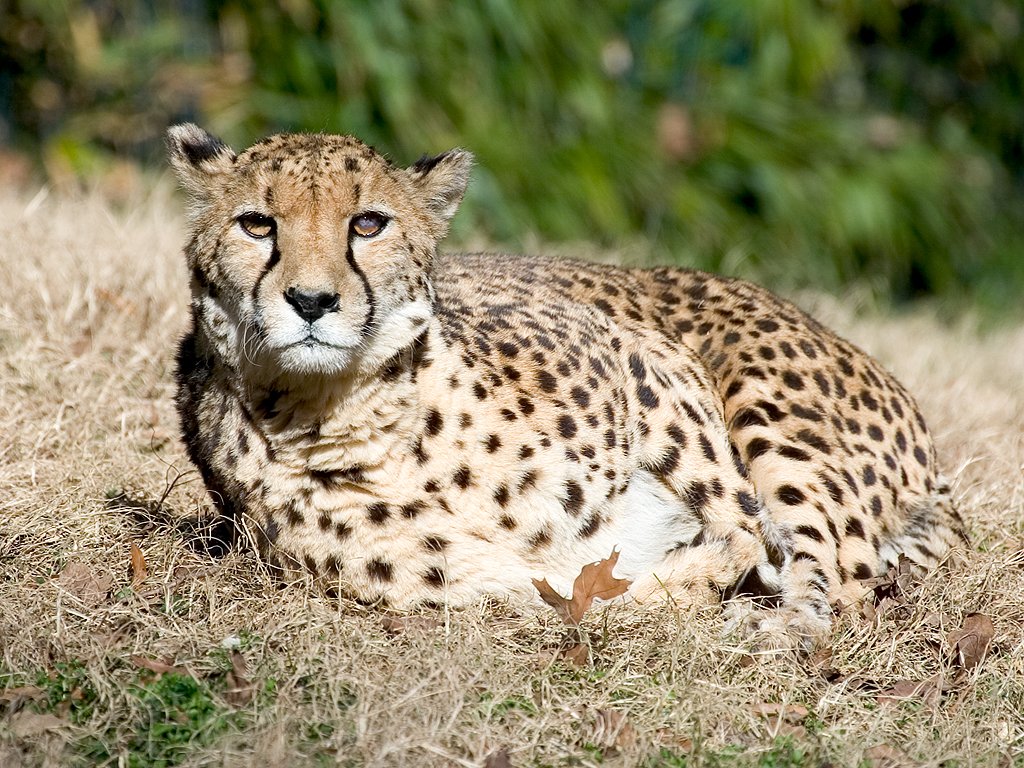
{"points": [[417, 427]]}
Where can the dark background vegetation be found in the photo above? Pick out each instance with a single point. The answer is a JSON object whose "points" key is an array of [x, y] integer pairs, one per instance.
{"points": [[803, 142]]}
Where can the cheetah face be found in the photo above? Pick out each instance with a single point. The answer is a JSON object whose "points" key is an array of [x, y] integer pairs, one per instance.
{"points": [[311, 254]]}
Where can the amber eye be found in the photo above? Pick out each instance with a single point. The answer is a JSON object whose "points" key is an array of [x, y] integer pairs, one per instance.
{"points": [[369, 224], [257, 225]]}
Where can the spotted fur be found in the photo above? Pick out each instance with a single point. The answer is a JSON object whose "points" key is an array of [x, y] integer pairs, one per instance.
{"points": [[414, 427]]}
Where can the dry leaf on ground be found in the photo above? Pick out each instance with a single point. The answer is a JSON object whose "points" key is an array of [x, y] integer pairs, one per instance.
{"points": [[884, 756], [82, 581], [613, 730], [240, 689], [155, 665], [137, 572], [396, 625], [498, 759], [10, 695], [595, 581], [27, 724], [928, 691], [792, 713], [972, 641]]}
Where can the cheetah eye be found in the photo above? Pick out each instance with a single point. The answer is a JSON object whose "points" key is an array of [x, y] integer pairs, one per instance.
{"points": [[257, 225], [369, 224]]}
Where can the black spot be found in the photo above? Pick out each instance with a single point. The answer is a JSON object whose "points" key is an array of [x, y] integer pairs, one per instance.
{"points": [[696, 495], [501, 495], [748, 417], [677, 435], [647, 397], [434, 577], [767, 326], [793, 380], [758, 447], [342, 531], [566, 426], [573, 498], [508, 349], [435, 543], [462, 477], [412, 509], [875, 433], [379, 570], [790, 495], [810, 532], [706, 448], [378, 513], [540, 538], [479, 391], [580, 396], [546, 381], [854, 527], [919, 454], [508, 523], [667, 462], [833, 490], [869, 475], [810, 414], [590, 527], [434, 422], [636, 367], [771, 410], [792, 452], [431, 486], [876, 505], [815, 441], [351, 164], [493, 443], [862, 571]]}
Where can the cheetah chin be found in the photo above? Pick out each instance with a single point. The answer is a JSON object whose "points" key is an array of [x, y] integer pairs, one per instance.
{"points": [[412, 427]]}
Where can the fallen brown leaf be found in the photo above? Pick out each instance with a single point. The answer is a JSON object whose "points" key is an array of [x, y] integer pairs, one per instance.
{"points": [[82, 581], [896, 582], [929, 691], [137, 572], [9, 695], [972, 641], [27, 724], [612, 729], [154, 665], [396, 625], [792, 713], [595, 581], [884, 756], [498, 759], [240, 689], [821, 662]]}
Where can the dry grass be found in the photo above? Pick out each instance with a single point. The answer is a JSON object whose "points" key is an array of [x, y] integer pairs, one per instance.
{"points": [[91, 305]]}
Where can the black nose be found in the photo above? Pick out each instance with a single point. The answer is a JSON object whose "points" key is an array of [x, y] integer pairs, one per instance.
{"points": [[311, 306]]}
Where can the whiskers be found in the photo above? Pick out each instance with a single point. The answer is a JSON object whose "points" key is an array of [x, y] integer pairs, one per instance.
{"points": [[252, 343]]}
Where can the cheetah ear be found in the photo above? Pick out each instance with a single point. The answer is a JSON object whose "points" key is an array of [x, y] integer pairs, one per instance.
{"points": [[197, 156], [443, 179]]}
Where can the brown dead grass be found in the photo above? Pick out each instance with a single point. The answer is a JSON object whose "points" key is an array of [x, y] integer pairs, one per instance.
{"points": [[91, 305]]}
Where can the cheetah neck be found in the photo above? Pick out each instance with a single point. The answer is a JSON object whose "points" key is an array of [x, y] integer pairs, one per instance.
{"points": [[358, 421]]}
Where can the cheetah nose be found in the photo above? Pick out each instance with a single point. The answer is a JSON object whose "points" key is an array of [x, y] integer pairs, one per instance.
{"points": [[311, 306]]}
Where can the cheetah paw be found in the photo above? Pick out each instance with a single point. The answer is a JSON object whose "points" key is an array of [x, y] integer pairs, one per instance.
{"points": [[786, 628]]}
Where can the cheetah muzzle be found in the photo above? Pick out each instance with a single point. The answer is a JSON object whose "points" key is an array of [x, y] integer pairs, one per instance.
{"points": [[416, 427]]}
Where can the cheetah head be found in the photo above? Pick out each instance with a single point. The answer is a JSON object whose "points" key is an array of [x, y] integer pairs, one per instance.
{"points": [[311, 254]]}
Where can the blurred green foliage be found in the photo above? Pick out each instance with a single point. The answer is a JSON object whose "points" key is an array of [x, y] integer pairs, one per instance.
{"points": [[799, 141]]}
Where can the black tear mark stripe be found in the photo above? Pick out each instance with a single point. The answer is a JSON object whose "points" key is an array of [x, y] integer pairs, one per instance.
{"points": [[371, 305], [275, 257]]}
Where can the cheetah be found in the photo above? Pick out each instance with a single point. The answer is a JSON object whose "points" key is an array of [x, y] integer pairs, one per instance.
{"points": [[411, 427]]}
